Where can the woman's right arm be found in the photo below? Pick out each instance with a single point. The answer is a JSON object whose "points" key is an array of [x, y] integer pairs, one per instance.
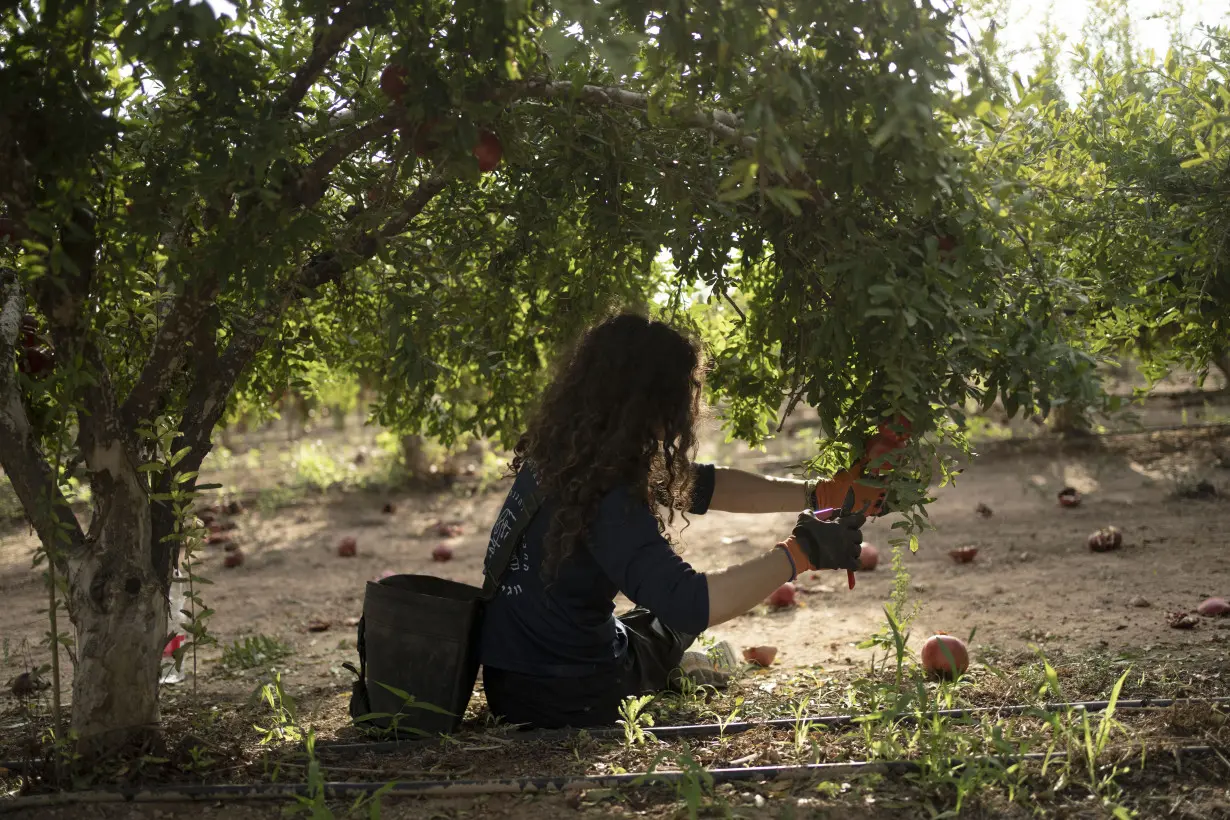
{"points": [[735, 590]]}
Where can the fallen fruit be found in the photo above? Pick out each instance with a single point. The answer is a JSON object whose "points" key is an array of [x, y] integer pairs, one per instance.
{"points": [[783, 596], [963, 555], [388, 509], [233, 559], [1214, 607], [442, 552], [1106, 539], [760, 655], [942, 653], [393, 82], [1182, 620], [868, 558], [983, 510], [26, 684], [1069, 497], [348, 547], [318, 626], [488, 152]]}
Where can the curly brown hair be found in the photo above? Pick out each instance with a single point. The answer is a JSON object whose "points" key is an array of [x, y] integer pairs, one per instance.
{"points": [[621, 411]]}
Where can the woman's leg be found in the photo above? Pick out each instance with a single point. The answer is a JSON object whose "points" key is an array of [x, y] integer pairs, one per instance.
{"points": [[552, 703], [654, 652]]}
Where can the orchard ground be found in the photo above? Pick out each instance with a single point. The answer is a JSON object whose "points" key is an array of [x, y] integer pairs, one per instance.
{"points": [[1034, 590]]}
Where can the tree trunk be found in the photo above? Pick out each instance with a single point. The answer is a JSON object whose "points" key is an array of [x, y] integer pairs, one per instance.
{"points": [[413, 450], [1068, 420], [119, 607]]}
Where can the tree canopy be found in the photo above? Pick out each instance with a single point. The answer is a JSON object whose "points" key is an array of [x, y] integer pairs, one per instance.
{"points": [[197, 207]]}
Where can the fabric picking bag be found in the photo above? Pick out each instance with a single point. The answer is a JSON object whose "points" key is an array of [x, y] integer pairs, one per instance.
{"points": [[418, 639]]}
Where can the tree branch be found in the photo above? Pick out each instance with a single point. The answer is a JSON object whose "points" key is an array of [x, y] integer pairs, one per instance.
{"points": [[215, 375], [25, 465], [724, 124], [170, 351], [325, 46], [311, 185]]}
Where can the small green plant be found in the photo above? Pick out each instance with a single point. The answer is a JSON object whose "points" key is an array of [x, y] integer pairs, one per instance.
{"points": [[283, 726], [694, 786], [634, 718], [254, 652], [395, 728]]}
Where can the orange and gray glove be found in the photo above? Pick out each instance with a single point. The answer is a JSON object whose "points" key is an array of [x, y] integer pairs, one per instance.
{"points": [[869, 493], [833, 544]]}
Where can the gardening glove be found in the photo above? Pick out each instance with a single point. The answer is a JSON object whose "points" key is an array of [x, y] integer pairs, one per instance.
{"points": [[868, 493], [816, 544]]}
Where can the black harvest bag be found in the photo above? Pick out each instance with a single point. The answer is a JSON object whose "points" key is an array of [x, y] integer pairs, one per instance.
{"points": [[418, 642]]}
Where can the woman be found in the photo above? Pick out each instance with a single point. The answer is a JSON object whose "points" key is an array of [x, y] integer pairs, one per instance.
{"points": [[610, 444]]}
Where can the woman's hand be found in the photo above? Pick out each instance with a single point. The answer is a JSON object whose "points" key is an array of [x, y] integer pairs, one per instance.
{"points": [[835, 544]]}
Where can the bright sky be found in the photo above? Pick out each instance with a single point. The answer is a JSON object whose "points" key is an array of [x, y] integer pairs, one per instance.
{"points": [[1024, 20]]}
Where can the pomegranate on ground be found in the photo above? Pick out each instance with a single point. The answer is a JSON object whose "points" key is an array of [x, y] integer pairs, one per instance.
{"points": [[942, 654], [348, 547], [783, 596], [1069, 497], [1213, 607], [963, 555], [1105, 539], [760, 655], [442, 552]]}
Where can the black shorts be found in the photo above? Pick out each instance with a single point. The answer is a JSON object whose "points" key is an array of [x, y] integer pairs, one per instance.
{"points": [[654, 653]]}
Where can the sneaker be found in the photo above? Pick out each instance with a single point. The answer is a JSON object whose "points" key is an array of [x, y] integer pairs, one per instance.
{"points": [[712, 668]]}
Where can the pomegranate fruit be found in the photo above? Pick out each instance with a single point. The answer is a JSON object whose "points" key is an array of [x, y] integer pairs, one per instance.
{"points": [[348, 547], [760, 655], [1069, 497], [1105, 539], [783, 596], [868, 558], [944, 656], [393, 82], [233, 559], [1214, 607], [318, 626], [388, 509], [488, 152], [442, 552], [963, 555]]}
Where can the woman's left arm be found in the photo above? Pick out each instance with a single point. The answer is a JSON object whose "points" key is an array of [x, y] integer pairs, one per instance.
{"points": [[738, 491]]}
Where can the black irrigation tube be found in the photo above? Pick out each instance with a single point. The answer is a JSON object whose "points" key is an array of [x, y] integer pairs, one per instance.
{"points": [[518, 785], [734, 728]]}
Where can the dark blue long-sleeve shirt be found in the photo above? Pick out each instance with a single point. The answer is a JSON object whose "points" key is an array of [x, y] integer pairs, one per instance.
{"points": [[565, 625]]}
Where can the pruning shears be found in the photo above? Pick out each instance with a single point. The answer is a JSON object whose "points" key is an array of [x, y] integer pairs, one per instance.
{"points": [[846, 508]]}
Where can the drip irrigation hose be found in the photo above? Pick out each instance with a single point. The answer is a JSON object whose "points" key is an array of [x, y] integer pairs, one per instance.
{"points": [[518, 785], [734, 728]]}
